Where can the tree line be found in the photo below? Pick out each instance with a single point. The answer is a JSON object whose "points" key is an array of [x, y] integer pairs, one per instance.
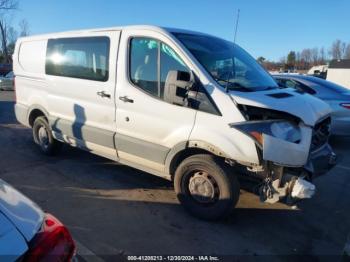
{"points": [[308, 57], [8, 32]]}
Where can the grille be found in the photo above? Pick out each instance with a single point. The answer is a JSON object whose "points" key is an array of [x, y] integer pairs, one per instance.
{"points": [[321, 134]]}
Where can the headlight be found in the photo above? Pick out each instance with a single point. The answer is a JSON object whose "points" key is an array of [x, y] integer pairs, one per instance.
{"points": [[285, 131], [280, 129]]}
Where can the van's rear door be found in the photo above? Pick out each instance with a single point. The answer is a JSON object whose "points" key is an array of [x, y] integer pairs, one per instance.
{"points": [[81, 72]]}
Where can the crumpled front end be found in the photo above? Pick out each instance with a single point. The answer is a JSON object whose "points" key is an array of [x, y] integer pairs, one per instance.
{"points": [[291, 154], [312, 153]]}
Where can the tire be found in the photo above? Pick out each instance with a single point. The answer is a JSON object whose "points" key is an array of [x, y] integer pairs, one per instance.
{"points": [[43, 137], [206, 187]]}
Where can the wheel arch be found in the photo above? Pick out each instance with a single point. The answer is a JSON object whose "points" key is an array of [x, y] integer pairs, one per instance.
{"points": [[186, 149], [36, 111]]}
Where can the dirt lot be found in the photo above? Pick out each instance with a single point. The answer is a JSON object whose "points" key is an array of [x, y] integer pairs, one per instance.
{"points": [[112, 209]]}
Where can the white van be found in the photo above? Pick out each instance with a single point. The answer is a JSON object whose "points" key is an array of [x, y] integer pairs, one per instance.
{"points": [[185, 106]]}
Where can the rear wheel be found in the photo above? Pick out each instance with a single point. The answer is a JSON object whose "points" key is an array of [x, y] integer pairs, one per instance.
{"points": [[205, 187], [43, 137]]}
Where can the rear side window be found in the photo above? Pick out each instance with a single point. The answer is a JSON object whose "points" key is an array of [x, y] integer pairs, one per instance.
{"points": [[85, 58]]}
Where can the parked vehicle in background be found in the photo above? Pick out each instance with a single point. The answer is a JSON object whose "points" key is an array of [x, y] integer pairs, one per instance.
{"points": [[334, 95], [7, 82], [186, 106], [318, 71], [339, 72], [29, 234], [5, 69]]}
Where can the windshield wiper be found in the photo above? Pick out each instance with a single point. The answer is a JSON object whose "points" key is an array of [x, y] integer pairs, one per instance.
{"points": [[233, 85]]}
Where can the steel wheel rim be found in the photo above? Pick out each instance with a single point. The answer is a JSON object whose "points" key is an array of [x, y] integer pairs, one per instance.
{"points": [[43, 137], [203, 188]]}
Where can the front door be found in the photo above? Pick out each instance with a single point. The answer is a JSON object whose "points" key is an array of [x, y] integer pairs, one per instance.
{"points": [[147, 126]]}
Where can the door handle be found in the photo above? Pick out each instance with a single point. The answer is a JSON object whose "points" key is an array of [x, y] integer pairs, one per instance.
{"points": [[126, 99], [103, 94]]}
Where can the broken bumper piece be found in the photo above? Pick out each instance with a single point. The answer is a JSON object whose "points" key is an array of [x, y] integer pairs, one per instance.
{"points": [[303, 189], [293, 190], [321, 161]]}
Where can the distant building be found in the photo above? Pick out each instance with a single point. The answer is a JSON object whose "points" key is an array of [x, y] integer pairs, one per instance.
{"points": [[339, 72]]}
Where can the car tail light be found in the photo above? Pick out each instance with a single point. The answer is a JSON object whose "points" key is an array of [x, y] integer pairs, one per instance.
{"points": [[346, 105], [52, 243]]}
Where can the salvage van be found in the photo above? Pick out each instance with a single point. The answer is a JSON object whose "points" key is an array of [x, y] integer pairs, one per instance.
{"points": [[186, 106]]}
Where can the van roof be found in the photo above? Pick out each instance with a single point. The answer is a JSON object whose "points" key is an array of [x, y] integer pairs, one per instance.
{"points": [[129, 27]]}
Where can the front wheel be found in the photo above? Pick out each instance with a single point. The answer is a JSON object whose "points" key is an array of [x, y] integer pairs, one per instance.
{"points": [[205, 187], [43, 137]]}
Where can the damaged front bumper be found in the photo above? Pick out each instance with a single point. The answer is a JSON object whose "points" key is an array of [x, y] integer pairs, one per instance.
{"points": [[295, 184], [289, 163], [312, 155], [321, 161]]}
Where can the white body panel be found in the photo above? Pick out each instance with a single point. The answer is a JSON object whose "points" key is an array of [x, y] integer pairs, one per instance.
{"points": [[297, 104], [76, 100], [143, 133], [340, 76], [148, 118]]}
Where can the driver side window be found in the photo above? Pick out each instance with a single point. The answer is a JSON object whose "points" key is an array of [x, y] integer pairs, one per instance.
{"points": [[144, 64], [169, 61], [150, 63]]}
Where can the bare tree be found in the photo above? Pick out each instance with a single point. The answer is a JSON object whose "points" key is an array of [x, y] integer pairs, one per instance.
{"points": [[322, 56], [8, 5], [283, 60], [5, 7], [337, 50], [291, 60], [12, 35], [315, 56], [306, 56], [24, 28], [297, 60], [347, 51]]}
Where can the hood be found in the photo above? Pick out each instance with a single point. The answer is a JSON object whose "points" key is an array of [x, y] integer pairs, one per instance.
{"points": [[308, 108], [25, 215]]}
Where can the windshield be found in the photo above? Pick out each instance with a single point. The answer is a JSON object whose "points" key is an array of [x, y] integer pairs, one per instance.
{"points": [[231, 66]]}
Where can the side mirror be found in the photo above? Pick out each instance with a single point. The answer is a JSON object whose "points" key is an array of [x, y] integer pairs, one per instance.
{"points": [[177, 85]]}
